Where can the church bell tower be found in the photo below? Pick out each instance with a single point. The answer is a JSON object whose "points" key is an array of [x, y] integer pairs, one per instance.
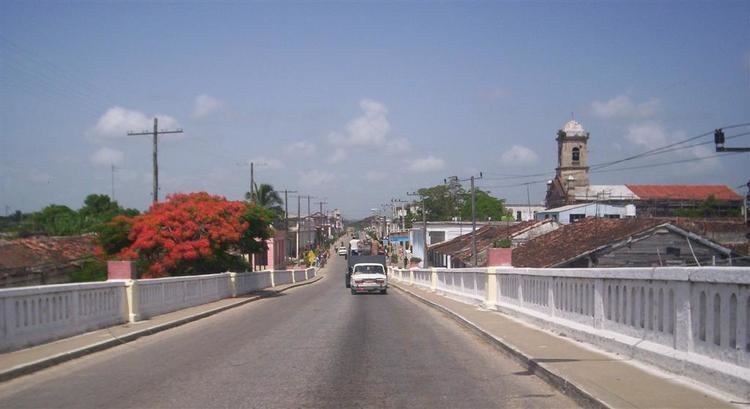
{"points": [[572, 165]]}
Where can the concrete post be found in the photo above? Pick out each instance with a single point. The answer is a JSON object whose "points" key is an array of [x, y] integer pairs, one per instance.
{"points": [[293, 277], [551, 296], [411, 276], [683, 325], [131, 299], [490, 299], [273, 283], [598, 303], [232, 277], [434, 279]]}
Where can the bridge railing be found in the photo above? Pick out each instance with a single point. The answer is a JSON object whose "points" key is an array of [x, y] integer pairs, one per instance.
{"points": [[693, 320], [34, 315], [31, 315], [163, 295]]}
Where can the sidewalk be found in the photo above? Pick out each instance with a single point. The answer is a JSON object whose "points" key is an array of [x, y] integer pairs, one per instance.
{"points": [[16, 363], [592, 378]]}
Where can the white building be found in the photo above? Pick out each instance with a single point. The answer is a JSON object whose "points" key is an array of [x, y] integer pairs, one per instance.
{"points": [[437, 232], [524, 212], [572, 213]]}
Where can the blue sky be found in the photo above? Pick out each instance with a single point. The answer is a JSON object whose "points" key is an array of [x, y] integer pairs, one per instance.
{"points": [[360, 102]]}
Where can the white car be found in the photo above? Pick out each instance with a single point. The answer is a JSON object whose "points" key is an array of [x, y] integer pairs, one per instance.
{"points": [[368, 278], [341, 251]]}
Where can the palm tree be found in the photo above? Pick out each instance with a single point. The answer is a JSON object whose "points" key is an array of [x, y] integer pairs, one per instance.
{"points": [[265, 196]]}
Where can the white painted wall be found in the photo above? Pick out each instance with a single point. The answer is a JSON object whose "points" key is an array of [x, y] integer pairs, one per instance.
{"points": [[694, 321], [34, 315]]}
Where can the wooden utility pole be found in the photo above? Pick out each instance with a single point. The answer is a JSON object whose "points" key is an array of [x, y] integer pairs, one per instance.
{"points": [[299, 225], [155, 134], [473, 213]]}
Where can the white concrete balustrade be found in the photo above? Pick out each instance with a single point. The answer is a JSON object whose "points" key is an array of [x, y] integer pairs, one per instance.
{"points": [[34, 315], [163, 295], [31, 315], [694, 321]]}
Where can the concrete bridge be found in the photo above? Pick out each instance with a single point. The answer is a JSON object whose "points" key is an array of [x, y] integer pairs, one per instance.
{"points": [[668, 337]]}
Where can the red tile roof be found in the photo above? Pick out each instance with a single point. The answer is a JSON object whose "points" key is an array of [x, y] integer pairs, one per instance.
{"points": [[44, 251], [572, 240], [684, 192], [460, 247]]}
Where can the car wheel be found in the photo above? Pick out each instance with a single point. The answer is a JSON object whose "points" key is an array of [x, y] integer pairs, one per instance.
{"points": [[354, 292], [383, 291]]}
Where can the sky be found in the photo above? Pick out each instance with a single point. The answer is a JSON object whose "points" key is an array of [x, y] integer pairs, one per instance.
{"points": [[358, 103]]}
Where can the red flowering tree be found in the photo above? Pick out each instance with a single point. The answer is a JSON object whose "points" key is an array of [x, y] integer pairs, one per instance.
{"points": [[187, 234]]}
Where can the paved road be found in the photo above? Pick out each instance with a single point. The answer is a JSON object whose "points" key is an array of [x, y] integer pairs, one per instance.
{"points": [[316, 346]]}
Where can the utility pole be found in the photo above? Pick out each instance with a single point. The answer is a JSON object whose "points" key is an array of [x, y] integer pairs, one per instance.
{"points": [[156, 134], [252, 182], [425, 262], [299, 226], [286, 214], [473, 213], [321, 203], [113, 182]]}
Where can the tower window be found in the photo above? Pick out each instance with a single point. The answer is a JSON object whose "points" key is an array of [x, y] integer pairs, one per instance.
{"points": [[576, 156]]}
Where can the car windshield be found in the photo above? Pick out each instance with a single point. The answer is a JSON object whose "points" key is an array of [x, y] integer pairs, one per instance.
{"points": [[368, 269]]}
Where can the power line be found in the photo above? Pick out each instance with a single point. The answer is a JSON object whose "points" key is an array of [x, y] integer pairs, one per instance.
{"points": [[675, 146]]}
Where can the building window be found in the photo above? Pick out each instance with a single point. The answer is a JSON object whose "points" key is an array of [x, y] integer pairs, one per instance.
{"points": [[576, 156], [436, 237], [612, 216], [575, 217], [673, 251], [518, 216]]}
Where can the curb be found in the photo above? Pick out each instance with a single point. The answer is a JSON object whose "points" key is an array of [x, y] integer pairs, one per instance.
{"points": [[548, 375], [31, 367]]}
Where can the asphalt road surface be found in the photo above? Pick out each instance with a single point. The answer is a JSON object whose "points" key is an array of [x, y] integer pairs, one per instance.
{"points": [[315, 346]]}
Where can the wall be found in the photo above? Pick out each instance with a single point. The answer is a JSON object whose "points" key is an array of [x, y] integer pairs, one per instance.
{"points": [[691, 321], [588, 210], [34, 315]]}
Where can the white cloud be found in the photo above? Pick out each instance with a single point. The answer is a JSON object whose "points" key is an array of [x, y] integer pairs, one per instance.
{"points": [[301, 148], [107, 157], [519, 155], [623, 107], [205, 105], [428, 164], [338, 155], [375, 176], [398, 145], [117, 121], [649, 135], [369, 129], [316, 178], [265, 162]]}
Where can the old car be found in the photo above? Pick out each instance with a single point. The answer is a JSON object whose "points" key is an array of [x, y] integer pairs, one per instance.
{"points": [[368, 278]]}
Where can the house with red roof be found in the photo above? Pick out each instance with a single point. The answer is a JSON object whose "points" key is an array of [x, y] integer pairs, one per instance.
{"points": [[633, 242], [42, 260]]}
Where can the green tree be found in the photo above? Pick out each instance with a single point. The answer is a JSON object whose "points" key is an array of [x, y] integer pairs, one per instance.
{"points": [[487, 207], [253, 239], [266, 197], [442, 202], [57, 220]]}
